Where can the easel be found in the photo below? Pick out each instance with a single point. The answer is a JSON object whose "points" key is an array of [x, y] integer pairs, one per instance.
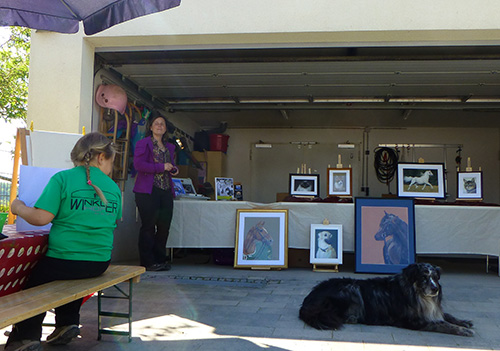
{"points": [[469, 169], [340, 166], [323, 267], [20, 151], [24, 150]]}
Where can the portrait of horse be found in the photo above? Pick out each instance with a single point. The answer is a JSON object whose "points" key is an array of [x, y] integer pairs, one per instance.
{"points": [[421, 180], [394, 232], [257, 243]]}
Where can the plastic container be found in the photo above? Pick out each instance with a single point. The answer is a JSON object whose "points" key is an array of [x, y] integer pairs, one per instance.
{"points": [[218, 142]]}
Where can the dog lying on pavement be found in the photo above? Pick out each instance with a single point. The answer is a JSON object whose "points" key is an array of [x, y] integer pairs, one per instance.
{"points": [[410, 299]]}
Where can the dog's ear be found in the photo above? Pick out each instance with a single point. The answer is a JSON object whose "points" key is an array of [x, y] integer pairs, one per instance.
{"points": [[438, 271], [411, 272]]}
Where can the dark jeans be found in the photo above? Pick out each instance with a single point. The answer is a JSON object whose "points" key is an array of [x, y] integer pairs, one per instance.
{"points": [[47, 270], [156, 211]]}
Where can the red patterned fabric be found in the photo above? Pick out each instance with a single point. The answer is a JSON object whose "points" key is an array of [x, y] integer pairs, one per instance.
{"points": [[19, 253]]}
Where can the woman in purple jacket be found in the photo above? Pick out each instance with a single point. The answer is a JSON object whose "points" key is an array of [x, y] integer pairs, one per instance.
{"points": [[154, 192]]}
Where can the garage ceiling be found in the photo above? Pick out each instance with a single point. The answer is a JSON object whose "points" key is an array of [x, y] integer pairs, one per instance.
{"points": [[323, 79]]}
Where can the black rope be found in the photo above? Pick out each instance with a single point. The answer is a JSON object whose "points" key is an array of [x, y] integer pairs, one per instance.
{"points": [[386, 163]]}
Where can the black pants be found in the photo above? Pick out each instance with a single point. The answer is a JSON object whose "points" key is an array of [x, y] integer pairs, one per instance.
{"points": [[47, 270], [156, 210]]}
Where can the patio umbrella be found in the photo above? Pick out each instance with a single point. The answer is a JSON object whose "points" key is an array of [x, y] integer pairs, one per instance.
{"points": [[63, 16]]}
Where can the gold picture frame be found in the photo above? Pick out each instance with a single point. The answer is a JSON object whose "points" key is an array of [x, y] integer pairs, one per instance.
{"points": [[261, 239]]}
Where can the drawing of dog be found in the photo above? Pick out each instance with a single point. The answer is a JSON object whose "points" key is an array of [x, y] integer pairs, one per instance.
{"points": [[410, 299], [325, 248]]}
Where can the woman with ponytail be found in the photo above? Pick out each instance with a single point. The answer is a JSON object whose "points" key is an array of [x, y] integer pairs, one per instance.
{"points": [[83, 204]]}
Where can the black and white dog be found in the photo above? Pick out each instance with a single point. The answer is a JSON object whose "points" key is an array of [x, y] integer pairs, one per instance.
{"points": [[410, 299]]}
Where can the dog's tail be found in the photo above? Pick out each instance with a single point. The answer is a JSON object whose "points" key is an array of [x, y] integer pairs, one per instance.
{"points": [[319, 317]]}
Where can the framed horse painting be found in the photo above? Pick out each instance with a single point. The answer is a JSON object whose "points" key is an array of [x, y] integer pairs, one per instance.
{"points": [[261, 239], [424, 180], [385, 234]]}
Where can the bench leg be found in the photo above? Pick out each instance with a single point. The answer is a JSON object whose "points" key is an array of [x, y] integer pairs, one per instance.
{"points": [[128, 315]]}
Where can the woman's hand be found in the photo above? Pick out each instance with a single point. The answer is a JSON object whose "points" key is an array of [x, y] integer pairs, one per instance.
{"points": [[32, 215], [169, 167], [174, 171]]}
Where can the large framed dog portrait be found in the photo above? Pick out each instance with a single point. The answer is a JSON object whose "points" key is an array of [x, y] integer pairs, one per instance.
{"points": [[261, 239], [326, 244], [421, 180], [339, 181], [384, 234], [304, 184], [470, 185]]}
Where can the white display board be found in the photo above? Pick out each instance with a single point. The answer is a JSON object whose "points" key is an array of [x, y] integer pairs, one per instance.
{"points": [[50, 149]]}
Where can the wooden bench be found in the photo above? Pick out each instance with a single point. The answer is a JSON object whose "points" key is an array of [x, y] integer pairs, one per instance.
{"points": [[27, 303]]}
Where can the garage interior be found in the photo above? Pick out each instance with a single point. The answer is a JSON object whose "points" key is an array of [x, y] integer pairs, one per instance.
{"points": [[368, 96]]}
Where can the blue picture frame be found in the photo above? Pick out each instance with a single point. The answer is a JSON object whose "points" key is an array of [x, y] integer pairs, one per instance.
{"points": [[384, 234]]}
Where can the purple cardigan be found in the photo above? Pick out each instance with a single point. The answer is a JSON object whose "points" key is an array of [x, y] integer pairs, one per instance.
{"points": [[146, 166]]}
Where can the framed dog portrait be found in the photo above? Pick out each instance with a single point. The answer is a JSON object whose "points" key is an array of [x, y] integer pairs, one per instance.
{"points": [[339, 181], [326, 244], [384, 234], [224, 188], [261, 239], [304, 184], [470, 185], [421, 180]]}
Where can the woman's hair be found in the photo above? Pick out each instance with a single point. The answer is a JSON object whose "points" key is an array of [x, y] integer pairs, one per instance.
{"points": [[88, 148], [154, 116]]}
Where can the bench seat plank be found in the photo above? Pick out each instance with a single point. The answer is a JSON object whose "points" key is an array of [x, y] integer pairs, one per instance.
{"points": [[31, 302]]}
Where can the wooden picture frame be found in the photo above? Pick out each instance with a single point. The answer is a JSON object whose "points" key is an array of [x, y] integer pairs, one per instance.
{"points": [[384, 234], [424, 180], [470, 185], [326, 244], [304, 184], [261, 239], [339, 181]]}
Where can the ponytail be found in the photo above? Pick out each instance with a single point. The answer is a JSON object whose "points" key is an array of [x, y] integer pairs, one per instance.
{"points": [[86, 149]]}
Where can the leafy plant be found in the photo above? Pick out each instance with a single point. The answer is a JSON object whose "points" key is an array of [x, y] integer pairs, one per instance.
{"points": [[14, 67]]}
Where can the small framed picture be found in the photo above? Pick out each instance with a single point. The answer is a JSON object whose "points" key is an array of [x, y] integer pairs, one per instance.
{"points": [[178, 187], [339, 181], [188, 186], [326, 244], [421, 180], [304, 184], [224, 188], [261, 239], [470, 185], [384, 234]]}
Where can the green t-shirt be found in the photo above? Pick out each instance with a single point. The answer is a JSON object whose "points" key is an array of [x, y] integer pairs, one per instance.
{"points": [[82, 229]]}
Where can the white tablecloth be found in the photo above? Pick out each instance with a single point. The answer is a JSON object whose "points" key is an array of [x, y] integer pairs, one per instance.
{"points": [[439, 229]]}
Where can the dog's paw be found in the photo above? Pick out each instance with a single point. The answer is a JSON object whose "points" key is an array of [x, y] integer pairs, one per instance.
{"points": [[466, 323], [466, 332]]}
